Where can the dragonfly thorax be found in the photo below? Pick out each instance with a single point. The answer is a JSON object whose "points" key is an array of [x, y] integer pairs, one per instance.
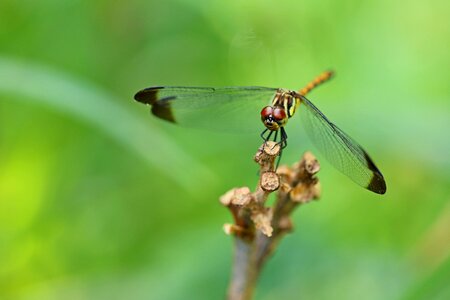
{"points": [[283, 107]]}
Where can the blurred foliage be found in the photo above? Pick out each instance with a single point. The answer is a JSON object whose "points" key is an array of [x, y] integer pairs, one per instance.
{"points": [[99, 200]]}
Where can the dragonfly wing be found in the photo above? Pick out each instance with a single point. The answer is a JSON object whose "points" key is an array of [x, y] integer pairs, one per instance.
{"points": [[229, 109], [340, 150]]}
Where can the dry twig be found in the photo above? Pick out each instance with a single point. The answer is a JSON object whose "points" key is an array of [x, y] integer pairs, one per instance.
{"points": [[257, 229]]}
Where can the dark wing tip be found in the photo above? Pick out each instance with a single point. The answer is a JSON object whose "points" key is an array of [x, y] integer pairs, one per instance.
{"points": [[377, 183], [148, 95], [160, 107], [163, 110]]}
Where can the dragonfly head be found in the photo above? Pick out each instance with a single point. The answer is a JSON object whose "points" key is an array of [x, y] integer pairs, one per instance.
{"points": [[273, 117]]}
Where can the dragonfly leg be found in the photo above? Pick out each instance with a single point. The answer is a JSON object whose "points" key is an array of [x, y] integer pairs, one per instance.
{"points": [[283, 144], [262, 134], [268, 136], [284, 137], [282, 141]]}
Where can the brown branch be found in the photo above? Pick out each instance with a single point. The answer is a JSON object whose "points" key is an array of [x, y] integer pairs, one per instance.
{"points": [[257, 229]]}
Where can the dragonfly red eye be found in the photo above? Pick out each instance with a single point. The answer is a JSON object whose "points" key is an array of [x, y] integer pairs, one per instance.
{"points": [[266, 112], [279, 114]]}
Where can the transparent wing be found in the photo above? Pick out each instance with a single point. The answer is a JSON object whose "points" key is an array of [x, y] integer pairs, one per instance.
{"points": [[229, 109], [340, 150]]}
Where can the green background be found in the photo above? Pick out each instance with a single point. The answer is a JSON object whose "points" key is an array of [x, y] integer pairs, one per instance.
{"points": [[100, 200]]}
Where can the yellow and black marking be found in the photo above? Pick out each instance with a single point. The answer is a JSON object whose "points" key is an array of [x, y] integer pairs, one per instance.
{"points": [[290, 100], [285, 99]]}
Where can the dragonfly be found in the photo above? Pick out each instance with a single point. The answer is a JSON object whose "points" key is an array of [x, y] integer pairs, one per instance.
{"points": [[237, 109]]}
